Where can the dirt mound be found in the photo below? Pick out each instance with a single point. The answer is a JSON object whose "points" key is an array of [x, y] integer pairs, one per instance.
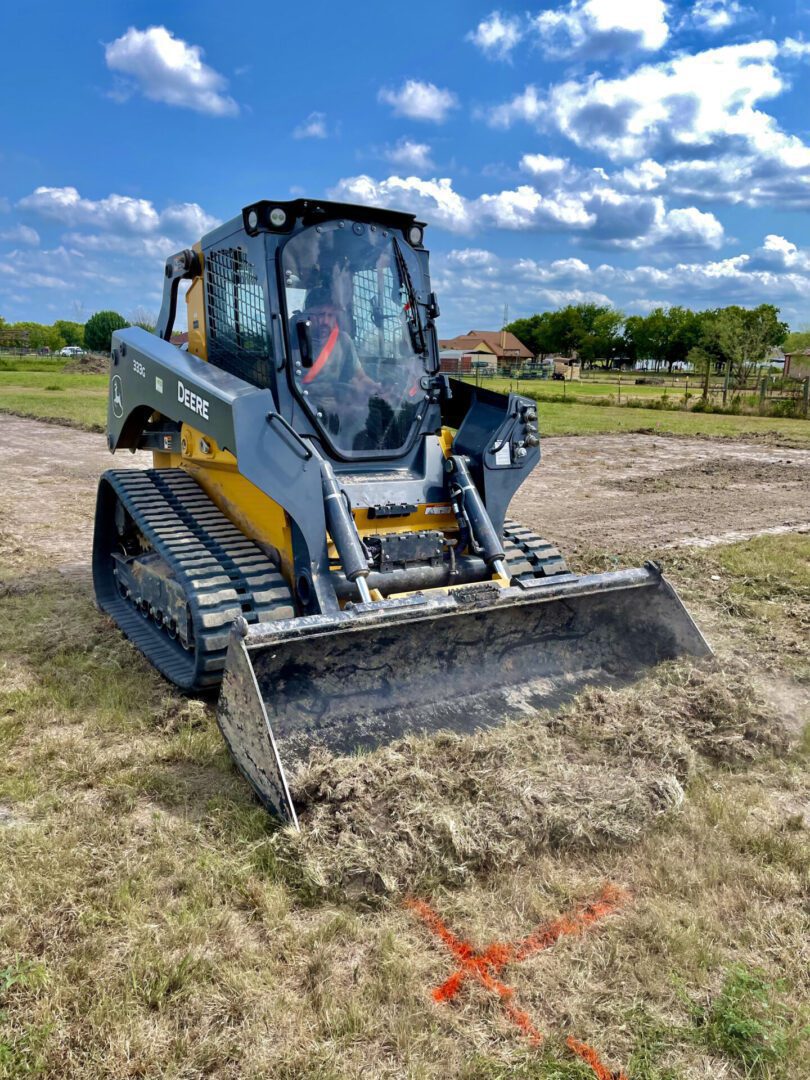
{"points": [[430, 812], [89, 364]]}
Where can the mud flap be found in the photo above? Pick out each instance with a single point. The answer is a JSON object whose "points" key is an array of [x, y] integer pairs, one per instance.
{"points": [[461, 661]]}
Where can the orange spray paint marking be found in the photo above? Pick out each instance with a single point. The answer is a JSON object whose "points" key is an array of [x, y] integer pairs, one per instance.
{"points": [[485, 967], [590, 1057]]}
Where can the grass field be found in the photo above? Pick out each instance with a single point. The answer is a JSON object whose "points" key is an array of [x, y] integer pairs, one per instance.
{"points": [[586, 387], [10, 362], [153, 923], [77, 399], [82, 400], [580, 419]]}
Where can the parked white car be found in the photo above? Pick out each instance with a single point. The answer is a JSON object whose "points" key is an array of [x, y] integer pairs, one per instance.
{"points": [[71, 350]]}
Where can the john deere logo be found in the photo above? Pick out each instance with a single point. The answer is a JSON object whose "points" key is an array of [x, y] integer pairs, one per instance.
{"points": [[117, 391]]}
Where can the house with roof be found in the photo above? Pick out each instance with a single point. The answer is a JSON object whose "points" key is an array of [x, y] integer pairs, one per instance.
{"points": [[509, 352], [468, 361]]}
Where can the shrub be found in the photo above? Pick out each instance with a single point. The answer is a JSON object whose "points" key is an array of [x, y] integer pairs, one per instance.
{"points": [[99, 328]]}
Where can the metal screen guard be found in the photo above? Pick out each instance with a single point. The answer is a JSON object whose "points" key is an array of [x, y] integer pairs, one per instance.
{"points": [[364, 678]]}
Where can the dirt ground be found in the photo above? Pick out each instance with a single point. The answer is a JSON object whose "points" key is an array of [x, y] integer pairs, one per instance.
{"points": [[604, 492]]}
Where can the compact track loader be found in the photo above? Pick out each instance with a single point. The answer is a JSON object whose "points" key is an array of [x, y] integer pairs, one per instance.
{"points": [[324, 529]]}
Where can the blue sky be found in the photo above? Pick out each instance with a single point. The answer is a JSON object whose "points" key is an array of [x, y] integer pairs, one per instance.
{"points": [[637, 152]]}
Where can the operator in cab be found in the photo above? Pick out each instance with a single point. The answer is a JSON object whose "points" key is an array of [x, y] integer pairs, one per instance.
{"points": [[335, 360]]}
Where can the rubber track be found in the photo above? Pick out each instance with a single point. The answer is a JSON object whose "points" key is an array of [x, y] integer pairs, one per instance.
{"points": [[528, 555], [224, 573]]}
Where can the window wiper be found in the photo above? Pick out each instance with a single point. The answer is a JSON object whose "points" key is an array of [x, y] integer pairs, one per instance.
{"points": [[412, 311]]}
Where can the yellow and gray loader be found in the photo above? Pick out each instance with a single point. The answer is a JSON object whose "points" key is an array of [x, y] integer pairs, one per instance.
{"points": [[323, 533]]}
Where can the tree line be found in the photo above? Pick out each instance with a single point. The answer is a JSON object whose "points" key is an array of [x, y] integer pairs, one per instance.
{"points": [[731, 339], [94, 335]]}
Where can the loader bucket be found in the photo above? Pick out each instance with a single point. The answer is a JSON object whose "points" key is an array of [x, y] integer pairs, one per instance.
{"points": [[460, 661]]}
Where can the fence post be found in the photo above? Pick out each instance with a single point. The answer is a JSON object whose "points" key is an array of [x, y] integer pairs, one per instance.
{"points": [[763, 391], [806, 406]]}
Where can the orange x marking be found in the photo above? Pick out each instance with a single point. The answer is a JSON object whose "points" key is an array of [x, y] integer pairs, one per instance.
{"points": [[485, 967]]}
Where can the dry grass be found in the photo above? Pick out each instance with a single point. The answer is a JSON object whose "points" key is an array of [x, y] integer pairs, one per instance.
{"points": [[433, 812], [153, 924]]}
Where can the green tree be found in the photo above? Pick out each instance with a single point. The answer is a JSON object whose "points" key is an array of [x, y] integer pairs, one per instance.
{"points": [[539, 333], [666, 335], [590, 330], [795, 342], [745, 336], [99, 328], [598, 336], [72, 333], [33, 335]]}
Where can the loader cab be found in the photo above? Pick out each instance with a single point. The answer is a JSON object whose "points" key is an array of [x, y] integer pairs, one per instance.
{"points": [[357, 335], [329, 306]]}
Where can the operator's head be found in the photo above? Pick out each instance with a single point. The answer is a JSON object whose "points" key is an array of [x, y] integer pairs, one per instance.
{"points": [[321, 310]]}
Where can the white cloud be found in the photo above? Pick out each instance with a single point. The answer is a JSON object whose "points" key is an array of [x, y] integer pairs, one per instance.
{"points": [[712, 16], [168, 69], [470, 257], [21, 234], [29, 279], [187, 219], [434, 199], [409, 154], [781, 254], [587, 206], [646, 175], [681, 227], [694, 126], [150, 247], [527, 208], [117, 213], [529, 106], [497, 35], [541, 165], [602, 27], [795, 48], [472, 292], [419, 101], [314, 127]]}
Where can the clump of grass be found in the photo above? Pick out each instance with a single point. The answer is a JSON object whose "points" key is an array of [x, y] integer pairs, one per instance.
{"points": [[686, 710], [746, 1022], [157, 980], [424, 813], [21, 1046]]}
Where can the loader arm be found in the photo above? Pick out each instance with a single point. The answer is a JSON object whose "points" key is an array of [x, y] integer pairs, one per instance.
{"points": [[149, 377]]}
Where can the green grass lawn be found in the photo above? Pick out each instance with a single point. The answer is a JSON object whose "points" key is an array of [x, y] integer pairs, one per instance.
{"points": [[10, 362], [581, 419], [580, 388], [82, 400], [79, 400]]}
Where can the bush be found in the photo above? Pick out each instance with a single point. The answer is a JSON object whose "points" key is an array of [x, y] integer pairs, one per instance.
{"points": [[99, 328]]}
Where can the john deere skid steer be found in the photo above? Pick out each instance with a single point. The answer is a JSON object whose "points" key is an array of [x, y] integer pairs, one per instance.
{"points": [[324, 529]]}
